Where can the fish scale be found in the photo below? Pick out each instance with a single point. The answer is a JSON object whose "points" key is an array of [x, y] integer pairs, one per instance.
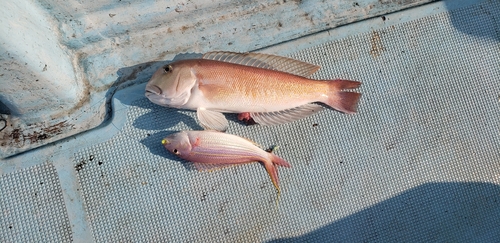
{"points": [[270, 92], [211, 150]]}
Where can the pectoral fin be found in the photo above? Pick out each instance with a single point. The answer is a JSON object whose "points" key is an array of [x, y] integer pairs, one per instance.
{"points": [[212, 120], [285, 116]]}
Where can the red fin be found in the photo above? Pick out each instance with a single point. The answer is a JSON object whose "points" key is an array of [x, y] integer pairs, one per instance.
{"points": [[271, 168], [341, 84], [273, 173], [341, 100], [279, 161], [245, 117]]}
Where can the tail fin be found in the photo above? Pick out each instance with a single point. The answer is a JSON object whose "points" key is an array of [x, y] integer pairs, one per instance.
{"points": [[341, 100], [271, 168]]}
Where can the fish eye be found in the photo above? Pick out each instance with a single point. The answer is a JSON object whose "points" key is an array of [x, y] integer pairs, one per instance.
{"points": [[176, 152], [167, 69]]}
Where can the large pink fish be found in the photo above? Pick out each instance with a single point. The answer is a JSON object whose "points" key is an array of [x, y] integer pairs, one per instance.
{"points": [[212, 149], [268, 89]]}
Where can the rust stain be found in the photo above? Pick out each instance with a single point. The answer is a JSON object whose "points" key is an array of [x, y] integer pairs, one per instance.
{"points": [[398, 2], [56, 128], [308, 18], [376, 45], [184, 28], [46, 132], [18, 138]]}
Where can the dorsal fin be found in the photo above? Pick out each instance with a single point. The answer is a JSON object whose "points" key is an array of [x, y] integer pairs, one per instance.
{"points": [[267, 61]]}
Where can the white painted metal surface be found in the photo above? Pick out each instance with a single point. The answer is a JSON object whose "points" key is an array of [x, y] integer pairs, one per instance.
{"points": [[452, 196], [62, 60]]}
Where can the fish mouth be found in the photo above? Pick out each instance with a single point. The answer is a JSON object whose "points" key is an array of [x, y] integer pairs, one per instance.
{"points": [[153, 89], [155, 95]]}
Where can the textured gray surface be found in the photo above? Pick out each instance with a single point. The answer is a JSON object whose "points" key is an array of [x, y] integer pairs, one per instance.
{"points": [[32, 207], [419, 162]]}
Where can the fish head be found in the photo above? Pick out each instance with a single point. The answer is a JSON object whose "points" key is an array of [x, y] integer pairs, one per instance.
{"points": [[178, 144], [171, 85]]}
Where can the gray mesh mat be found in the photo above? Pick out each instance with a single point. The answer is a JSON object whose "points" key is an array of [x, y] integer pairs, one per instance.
{"points": [[419, 162], [32, 207]]}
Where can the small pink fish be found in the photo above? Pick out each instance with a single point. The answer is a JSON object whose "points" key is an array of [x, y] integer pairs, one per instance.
{"points": [[265, 89], [212, 149]]}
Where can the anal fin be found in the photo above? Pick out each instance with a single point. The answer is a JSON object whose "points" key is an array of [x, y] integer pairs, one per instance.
{"points": [[285, 116], [211, 167]]}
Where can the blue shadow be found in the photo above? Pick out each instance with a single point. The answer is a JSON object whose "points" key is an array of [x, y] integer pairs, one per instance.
{"points": [[480, 19], [433, 212]]}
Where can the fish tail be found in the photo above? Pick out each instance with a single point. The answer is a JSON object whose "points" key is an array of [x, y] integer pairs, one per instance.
{"points": [[271, 168], [341, 100], [279, 161]]}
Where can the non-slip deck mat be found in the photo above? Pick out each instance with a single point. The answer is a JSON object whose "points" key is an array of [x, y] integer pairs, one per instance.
{"points": [[420, 162], [32, 207]]}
